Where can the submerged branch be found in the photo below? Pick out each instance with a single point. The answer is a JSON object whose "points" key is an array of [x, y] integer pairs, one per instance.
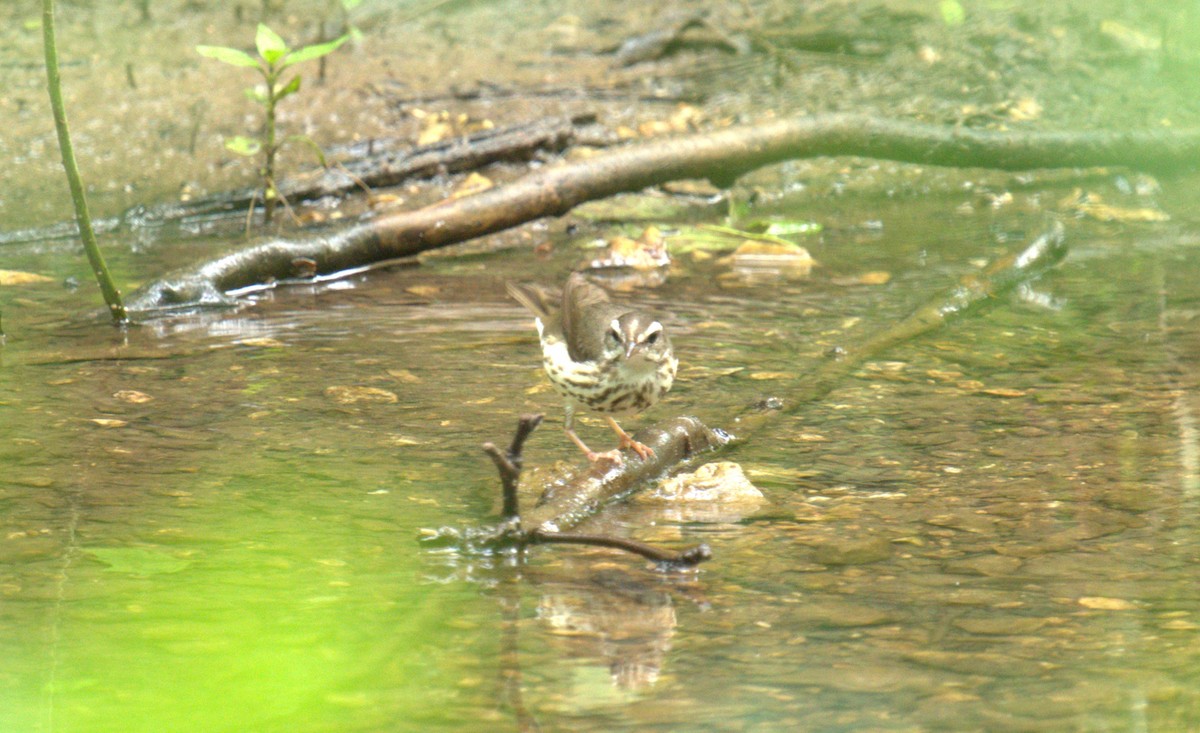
{"points": [[691, 556], [720, 156], [971, 293], [546, 523]]}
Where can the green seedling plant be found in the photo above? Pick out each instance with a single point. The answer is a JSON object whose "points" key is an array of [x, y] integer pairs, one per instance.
{"points": [[274, 58], [346, 8]]}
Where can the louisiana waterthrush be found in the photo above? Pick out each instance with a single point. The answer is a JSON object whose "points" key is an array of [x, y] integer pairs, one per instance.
{"points": [[600, 355]]}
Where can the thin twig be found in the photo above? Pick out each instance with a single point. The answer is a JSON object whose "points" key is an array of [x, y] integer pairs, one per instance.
{"points": [[684, 558]]}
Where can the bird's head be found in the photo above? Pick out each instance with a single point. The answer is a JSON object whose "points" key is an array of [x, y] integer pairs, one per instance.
{"points": [[636, 336]]}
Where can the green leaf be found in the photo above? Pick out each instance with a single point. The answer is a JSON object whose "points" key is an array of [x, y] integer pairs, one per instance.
{"points": [[256, 94], [242, 145], [287, 90], [952, 12], [270, 46], [351, 4], [314, 51], [231, 56], [783, 227], [305, 139]]}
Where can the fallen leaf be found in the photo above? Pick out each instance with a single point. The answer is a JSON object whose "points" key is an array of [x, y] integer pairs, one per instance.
{"points": [[424, 291], [650, 128], [384, 199], [403, 375], [263, 342], [810, 438], [876, 277], [647, 252], [1091, 205], [755, 259], [133, 396], [471, 185], [943, 375], [1004, 392], [763, 376], [16, 277], [106, 422], [1024, 109], [1100, 603], [434, 131], [348, 395]]}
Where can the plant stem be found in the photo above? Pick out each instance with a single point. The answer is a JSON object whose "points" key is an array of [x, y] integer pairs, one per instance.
{"points": [[269, 149], [112, 296]]}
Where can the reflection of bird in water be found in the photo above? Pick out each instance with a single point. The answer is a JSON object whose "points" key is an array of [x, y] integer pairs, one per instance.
{"points": [[628, 624]]}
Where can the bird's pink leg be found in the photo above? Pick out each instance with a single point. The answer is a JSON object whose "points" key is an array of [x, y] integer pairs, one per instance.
{"points": [[643, 450]]}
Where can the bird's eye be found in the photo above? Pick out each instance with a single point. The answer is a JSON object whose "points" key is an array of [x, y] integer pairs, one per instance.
{"points": [[614, 337], [652, 338]]}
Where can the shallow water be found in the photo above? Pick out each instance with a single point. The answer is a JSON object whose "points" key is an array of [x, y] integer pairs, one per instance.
{"points": [[991, 528]]}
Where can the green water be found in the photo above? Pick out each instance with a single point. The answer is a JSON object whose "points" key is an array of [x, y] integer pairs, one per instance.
{"points": [[992, 528]]}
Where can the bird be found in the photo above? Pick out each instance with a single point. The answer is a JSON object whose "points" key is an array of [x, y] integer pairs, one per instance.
{"points": [[601, 355]]}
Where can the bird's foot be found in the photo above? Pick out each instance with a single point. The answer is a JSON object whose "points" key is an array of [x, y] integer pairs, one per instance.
{"points": [[644, 451], [625, 440], [612, 457]]}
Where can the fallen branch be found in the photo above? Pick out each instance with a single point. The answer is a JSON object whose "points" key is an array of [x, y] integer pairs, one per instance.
{"points": [[382, 164], [372, 163], [516, 533], [720, 156]]}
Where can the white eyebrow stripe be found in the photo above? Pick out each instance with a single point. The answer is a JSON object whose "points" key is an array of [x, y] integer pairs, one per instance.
{"points": [[615, 325], [653, 328]]}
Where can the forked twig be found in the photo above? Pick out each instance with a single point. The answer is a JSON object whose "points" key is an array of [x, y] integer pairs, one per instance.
{"points": [[509, 462], [511, 533]]}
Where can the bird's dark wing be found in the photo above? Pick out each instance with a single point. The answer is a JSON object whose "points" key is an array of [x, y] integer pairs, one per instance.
{"points": [[586, 315]]}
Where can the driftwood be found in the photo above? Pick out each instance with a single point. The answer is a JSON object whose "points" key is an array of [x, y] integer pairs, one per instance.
{"points": [[377, 164], [720, 156], [546, 523], [370, 164], [677, 440]]}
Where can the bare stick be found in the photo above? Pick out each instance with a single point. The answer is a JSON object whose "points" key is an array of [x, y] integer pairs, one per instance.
{"points": [[684, 558], [509, 463]]}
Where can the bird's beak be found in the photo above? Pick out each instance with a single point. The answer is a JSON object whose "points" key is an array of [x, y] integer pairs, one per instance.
{"points": [[629, 348]]}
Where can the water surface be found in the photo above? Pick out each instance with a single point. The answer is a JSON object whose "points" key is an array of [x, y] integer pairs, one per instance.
{"points": [[991, 528]]}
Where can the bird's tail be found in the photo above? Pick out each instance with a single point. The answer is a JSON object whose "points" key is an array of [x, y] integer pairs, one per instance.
{"points": [[533, 297]]}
